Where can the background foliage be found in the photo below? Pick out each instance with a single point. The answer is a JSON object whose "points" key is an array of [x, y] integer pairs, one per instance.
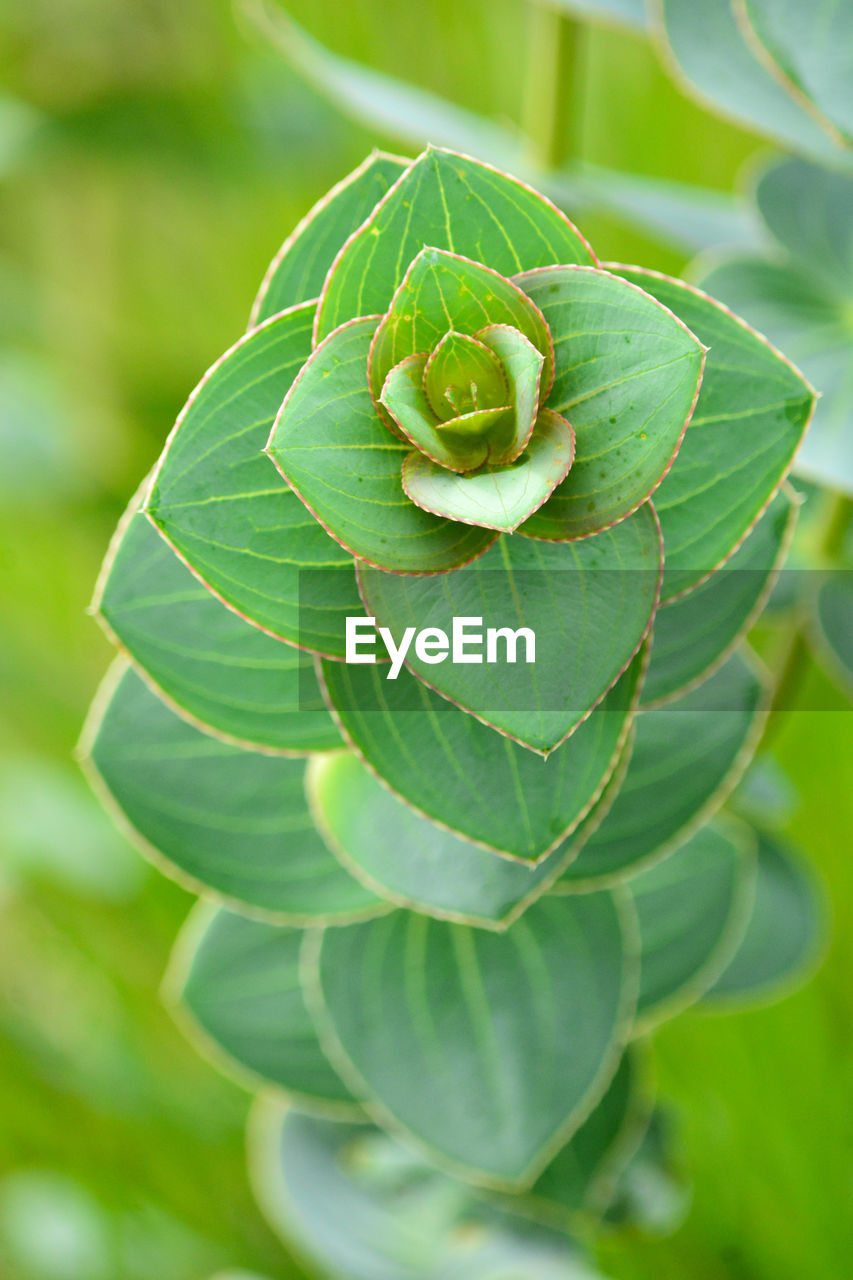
{"points": [[151, 158]]}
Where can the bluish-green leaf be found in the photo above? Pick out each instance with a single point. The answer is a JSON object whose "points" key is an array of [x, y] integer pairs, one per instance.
{"points": [[630, 13], [487, 1049], [687, 757], [458, 772], [783, 934], [752, 412], [450, 202], [696, 633], [238, 984], [346, 467], [588, 605], [215, 815], [626, 376], [692, 909], [413, 862], [211, 665], [297, 272], [833, 619], [228, 513]]}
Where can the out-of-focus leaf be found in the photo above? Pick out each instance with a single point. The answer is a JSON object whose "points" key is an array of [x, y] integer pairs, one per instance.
{"points": [[833, 621], [813, 49], [213, 462], [765, 796], [809, 210], [694, 634], [297, 272], [783, 934], [544, 587], [687, 756], [718, 65], [363, 1207], [651, 1194], [490, 1047], [630, 13], [693, 909], [218, 816], [752, 412], [238, 984], [205, 660], [412, 861], [444, 763], [53, 1228]]}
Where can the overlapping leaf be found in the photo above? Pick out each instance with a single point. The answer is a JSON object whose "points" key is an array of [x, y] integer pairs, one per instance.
{"points": [[238, 982], [751, 415], [211, 664], [346, 467], [833, 620], [626, 376], [488, 1049], [454, 770], [588, 606], [694, 634], [450, 202], [219, 816], [231, 517], [687, 756]]}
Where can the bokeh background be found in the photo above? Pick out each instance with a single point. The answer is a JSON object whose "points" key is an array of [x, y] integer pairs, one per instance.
{"points": [[152, 157]]}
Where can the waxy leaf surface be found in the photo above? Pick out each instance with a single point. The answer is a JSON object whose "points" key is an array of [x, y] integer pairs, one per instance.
{"points": [[752, 411], [456, 771], [297, 272], [687, 757], [450, 202], [589, 605], [238, 980], [345, 465], [487, 1049], [228, 513], [221, 817], [214, 667], [626, 376]]}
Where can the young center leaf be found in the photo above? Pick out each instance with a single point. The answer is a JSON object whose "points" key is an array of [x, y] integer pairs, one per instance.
{"points": [[587, 606], [346, 466], [457, 772], [212, 814], [237, 981], [491, 1049], [627, 373], [222, 506]]}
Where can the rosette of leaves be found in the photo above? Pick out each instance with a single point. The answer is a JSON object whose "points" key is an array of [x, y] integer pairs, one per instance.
{"points": [[447, 904]]}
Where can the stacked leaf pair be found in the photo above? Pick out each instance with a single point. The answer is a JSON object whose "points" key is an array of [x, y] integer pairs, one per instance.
{"points": [[445, 900]]}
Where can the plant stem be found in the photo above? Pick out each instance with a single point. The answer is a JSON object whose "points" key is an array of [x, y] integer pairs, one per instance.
{"points": [[553, 70]]}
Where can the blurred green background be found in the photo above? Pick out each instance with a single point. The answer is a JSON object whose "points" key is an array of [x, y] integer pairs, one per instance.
{"points": [[152, 157]]}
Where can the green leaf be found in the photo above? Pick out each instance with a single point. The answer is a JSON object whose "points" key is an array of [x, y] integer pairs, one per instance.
{"points": [[254, 556], [496, 497], [362, 1206], [651, 1195], [752, 412], [461, 375], [807, 208], [345, 466], [629, 13], [813, 50], [687, 757], [588, 606], [212, 814], [237, 981], [783, 935], [213, 667], [297, 272], [695, 634], [626, 377], [491, 1048], [450, 202], [693, 909], [580, 1176], [411, 861], [453, 769], [722, 70], [833, 622], [444, 292]]}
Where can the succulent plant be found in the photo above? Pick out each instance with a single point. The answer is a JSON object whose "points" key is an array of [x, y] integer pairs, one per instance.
{"points": [[444, 900]]}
